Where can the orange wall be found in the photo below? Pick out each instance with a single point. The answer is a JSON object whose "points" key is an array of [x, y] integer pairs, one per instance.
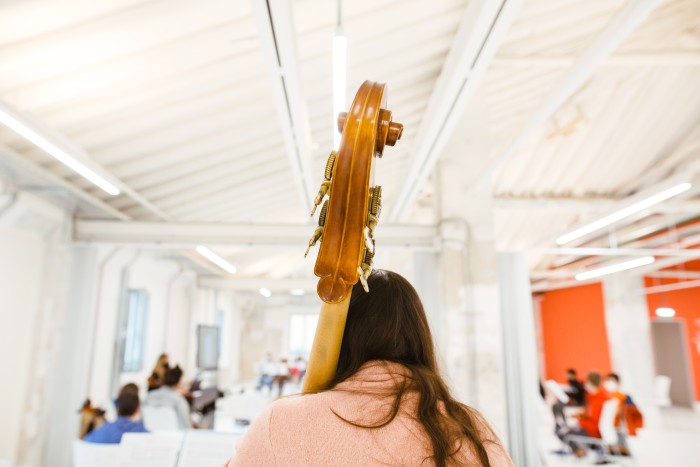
{"points": [[686, 302], [573, 331]]}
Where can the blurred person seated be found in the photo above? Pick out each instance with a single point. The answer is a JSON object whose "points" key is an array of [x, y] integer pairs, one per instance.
{"points": [[576, 393], [268, 371], [589, 419], [576, 390], [128, 412], [282, 375], [629, 419], [168, 396], [158, 374], [127, 388], [91, 418]]}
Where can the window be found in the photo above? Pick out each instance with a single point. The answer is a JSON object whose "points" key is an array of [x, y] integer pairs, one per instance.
{"points": [[133, 338], [301, 333]]}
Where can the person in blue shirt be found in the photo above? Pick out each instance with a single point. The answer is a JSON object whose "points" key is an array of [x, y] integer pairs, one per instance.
{"points": [[128, 411]]}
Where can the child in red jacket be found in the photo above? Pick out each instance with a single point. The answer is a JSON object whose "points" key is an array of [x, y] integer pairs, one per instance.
{"points": [[589, 420]]}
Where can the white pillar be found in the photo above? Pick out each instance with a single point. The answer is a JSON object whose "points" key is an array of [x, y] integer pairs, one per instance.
{"points": [[71, 351], [522, 393], [468, 271], [628, 327], [426, 280]]}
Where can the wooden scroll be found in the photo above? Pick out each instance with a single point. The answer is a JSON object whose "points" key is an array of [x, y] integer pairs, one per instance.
{"points": [[346, 222]]}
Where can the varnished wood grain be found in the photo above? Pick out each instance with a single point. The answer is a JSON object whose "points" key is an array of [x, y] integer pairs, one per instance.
{"points": [[366, 128], [341, 249]]}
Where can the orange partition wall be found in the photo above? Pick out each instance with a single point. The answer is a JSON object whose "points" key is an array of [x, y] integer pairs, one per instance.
{"points": [[686, 302], [573, 331]]}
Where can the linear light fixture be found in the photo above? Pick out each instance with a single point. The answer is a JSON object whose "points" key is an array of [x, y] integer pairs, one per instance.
{"points": [[624, 212], [16, 123], [340, 66], [216, 259], [634, 263]]}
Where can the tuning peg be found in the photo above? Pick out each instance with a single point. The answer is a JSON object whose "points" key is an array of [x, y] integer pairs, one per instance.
{"points": [[318, 234], [363, 279], [369, 242], [326, 183], [325, 186]]}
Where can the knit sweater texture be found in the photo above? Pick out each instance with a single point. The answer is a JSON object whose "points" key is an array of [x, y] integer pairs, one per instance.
{"points": [[313, 430]]}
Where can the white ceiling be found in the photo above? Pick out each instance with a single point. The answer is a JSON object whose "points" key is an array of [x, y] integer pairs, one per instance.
{"points": [[174, 100]]}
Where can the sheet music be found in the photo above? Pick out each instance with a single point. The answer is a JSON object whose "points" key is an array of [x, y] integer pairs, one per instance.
{"points": [[207, 449], [558, 392]]}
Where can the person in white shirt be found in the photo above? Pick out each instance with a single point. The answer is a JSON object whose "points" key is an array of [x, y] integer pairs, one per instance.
{"points": [[168, 396]]}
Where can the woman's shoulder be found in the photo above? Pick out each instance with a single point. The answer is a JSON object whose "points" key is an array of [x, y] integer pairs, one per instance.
{"points": [[301, 405]]}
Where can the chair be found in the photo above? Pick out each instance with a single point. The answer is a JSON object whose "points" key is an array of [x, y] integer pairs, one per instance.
{"points": [[159, 418], [94, 455], [606, 426], [204, 448], [554, 388], [662, 391], [247, 406], [150, 449]]}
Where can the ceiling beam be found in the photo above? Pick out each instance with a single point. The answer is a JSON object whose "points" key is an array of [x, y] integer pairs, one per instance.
{"points": [[275, 24], [174, 235], [589, 251], [664, 59], [242, 284], [669, 287], [660, 237], [33, 169], [553, 203], [614, 33], [675, 274], [81, 155], [478, 36], [687, 176]]}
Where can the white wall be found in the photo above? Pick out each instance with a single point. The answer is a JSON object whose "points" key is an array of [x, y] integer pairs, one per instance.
{"points": [[33, 260], [59, 306], [21, 259]]}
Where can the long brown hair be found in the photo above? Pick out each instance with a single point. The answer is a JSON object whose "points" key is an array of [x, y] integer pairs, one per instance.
{"points": [[389, 323]]}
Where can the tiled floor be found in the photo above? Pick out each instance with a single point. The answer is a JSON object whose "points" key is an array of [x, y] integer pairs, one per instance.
{"points": [[670, 438]]}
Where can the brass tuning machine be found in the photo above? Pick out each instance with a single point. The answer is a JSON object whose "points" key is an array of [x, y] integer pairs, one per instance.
{"points": [[326, 183], [373, 211], [318, 233]]}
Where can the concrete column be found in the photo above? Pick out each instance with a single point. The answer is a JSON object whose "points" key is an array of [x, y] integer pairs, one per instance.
{"points": [[69, 367], [426, 280], [628, 326], [468, 270], [520, 358]]}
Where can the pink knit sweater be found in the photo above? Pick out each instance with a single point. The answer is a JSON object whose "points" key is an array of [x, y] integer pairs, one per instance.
{"points": [[305, 431]]}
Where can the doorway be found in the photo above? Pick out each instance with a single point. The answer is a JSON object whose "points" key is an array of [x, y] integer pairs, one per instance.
{"points": [[671, 356]]}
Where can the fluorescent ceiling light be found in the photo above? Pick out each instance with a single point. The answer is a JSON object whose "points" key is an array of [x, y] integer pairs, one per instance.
{"points": [[665, 312], [615, 268], [622, 213], [297, 292], [216, 259], [265, 292], [15, 123], [340, 58]]}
